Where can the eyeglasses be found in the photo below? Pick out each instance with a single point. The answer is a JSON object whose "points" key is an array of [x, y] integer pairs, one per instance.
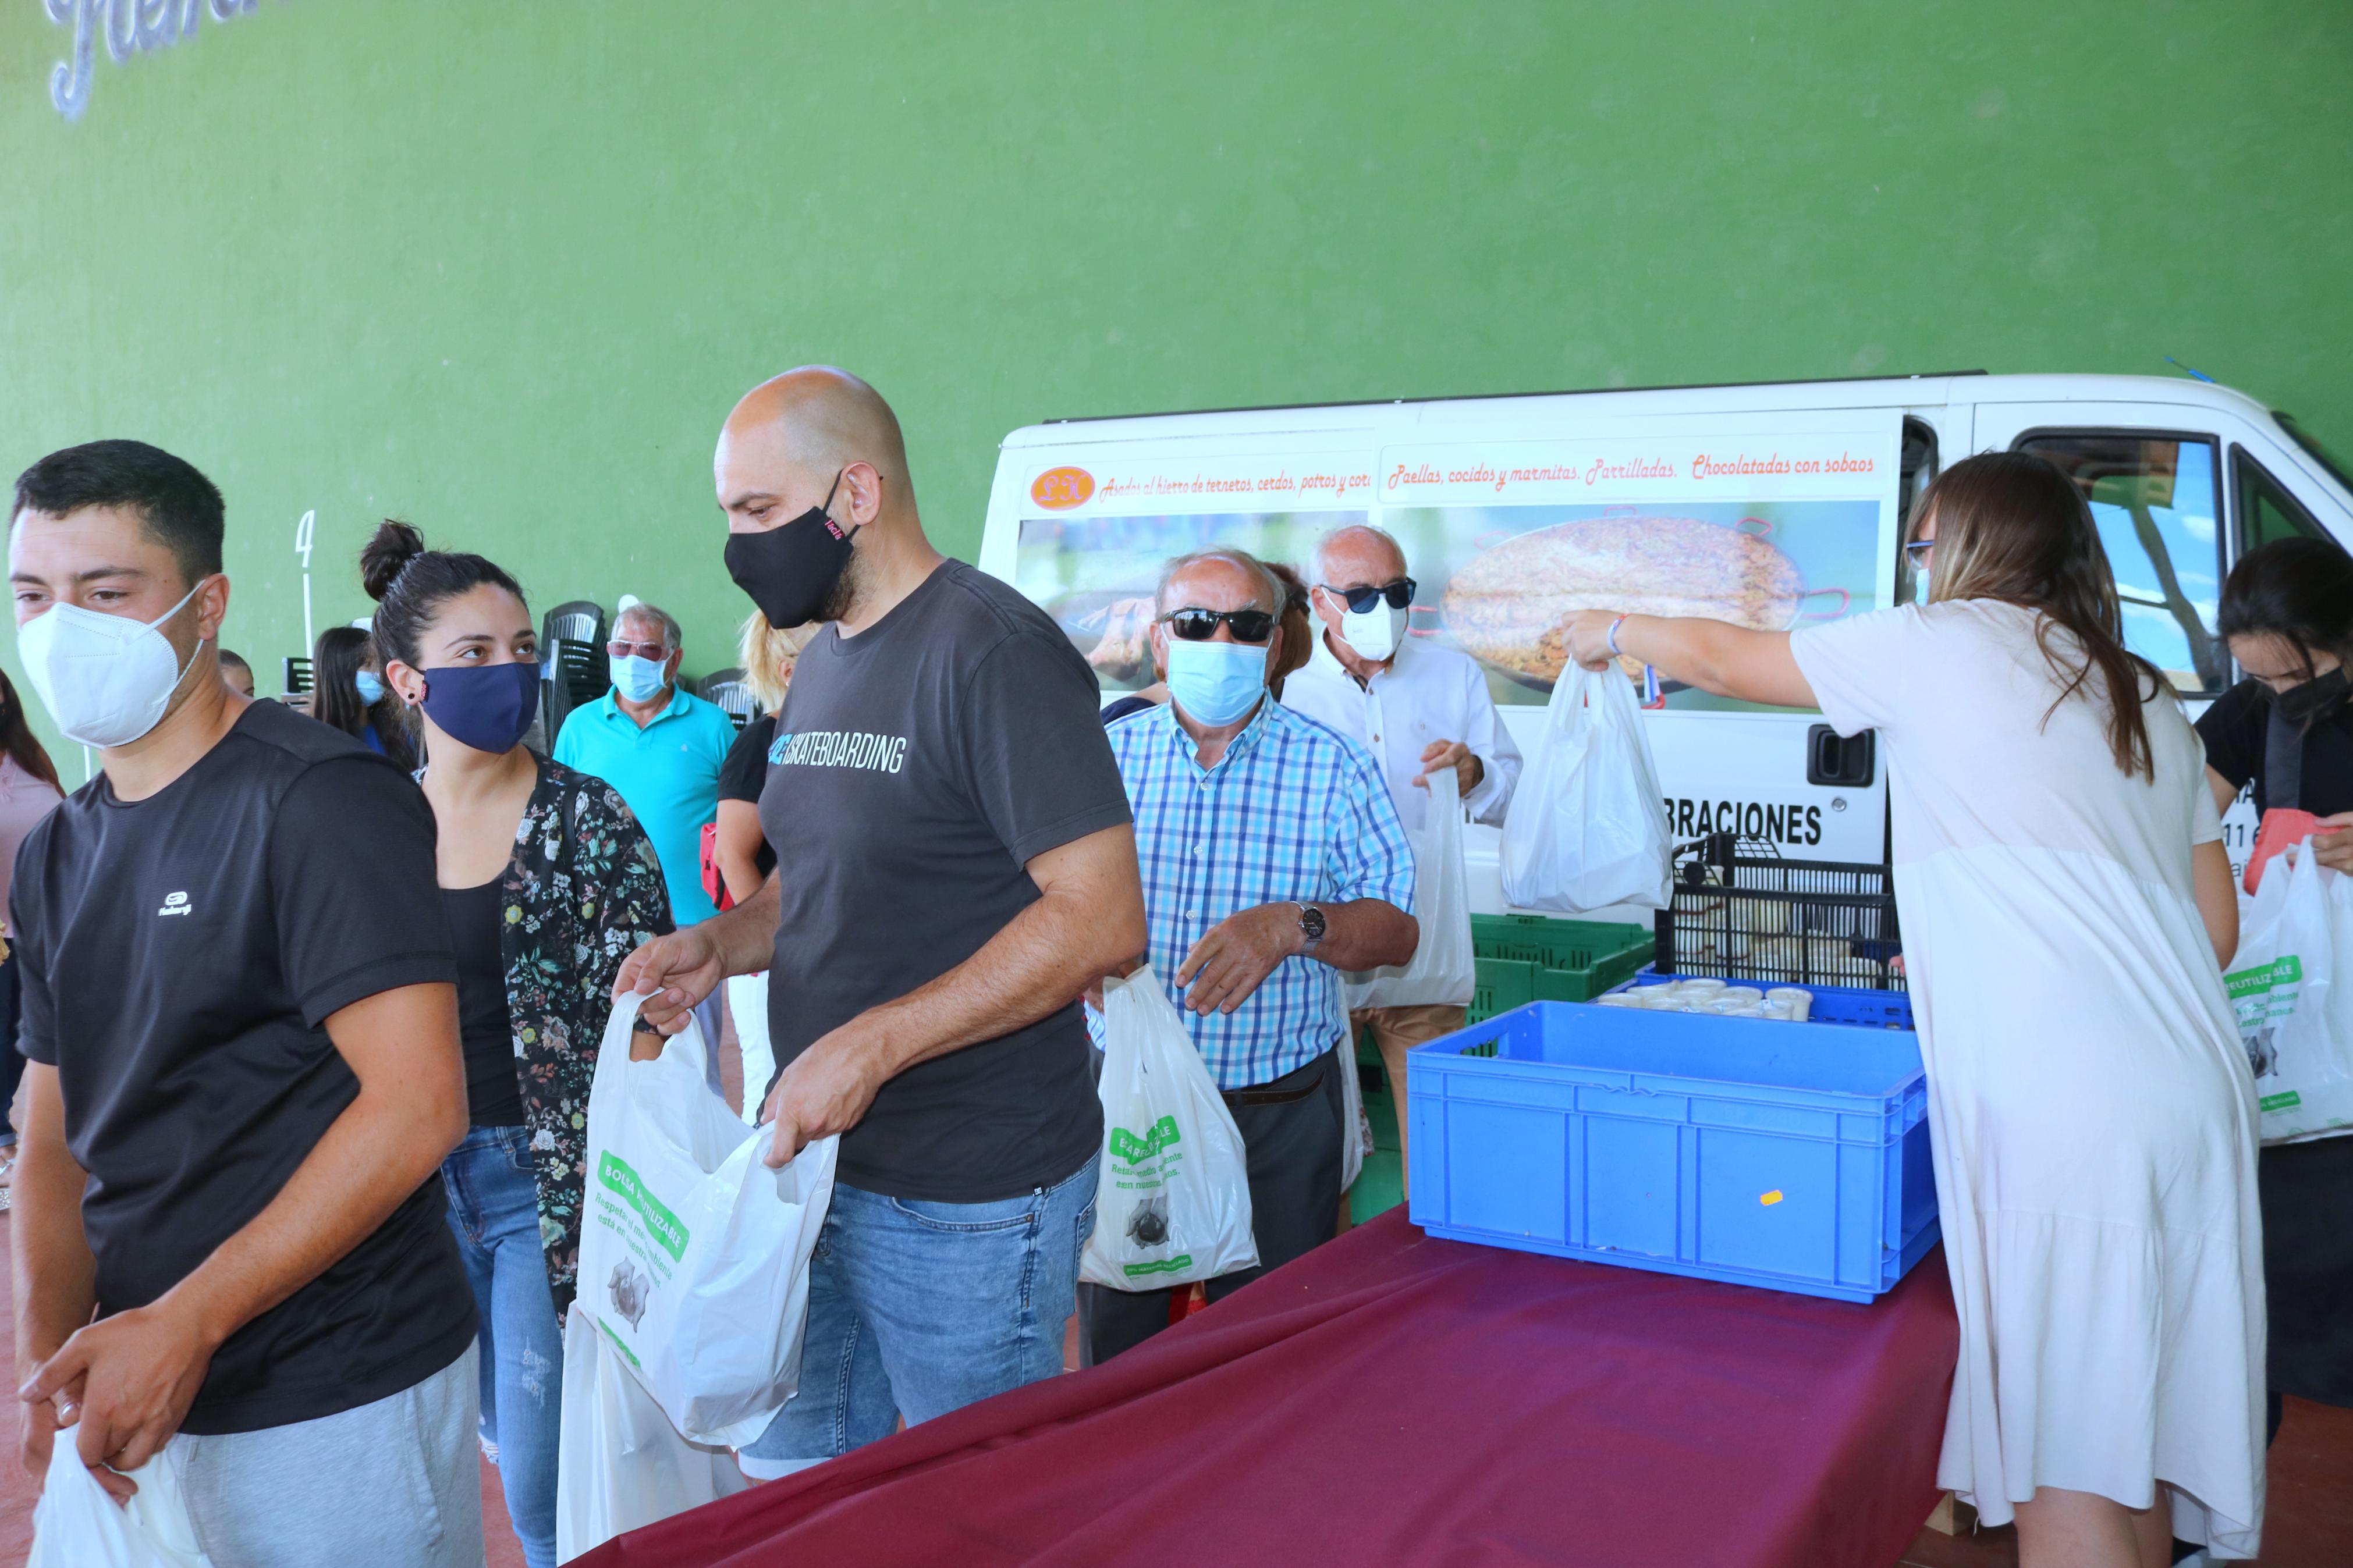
{"points": [[1196, 625], [652, 650], [1399, 595], [1917, 552]]}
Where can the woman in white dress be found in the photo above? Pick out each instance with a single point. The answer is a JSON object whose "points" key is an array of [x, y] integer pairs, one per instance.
{"points": [[2066, 903]]}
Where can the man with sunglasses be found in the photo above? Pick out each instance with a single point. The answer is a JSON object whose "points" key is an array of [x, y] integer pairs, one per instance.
{"points": [[1272, 859], [1417, 707]]}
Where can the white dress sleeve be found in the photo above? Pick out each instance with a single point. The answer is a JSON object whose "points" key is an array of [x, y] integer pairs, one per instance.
{"points": [[1856, 666], [2205, 821]]}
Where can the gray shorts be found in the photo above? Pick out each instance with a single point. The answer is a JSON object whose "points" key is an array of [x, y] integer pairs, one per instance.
{"points": [[396, 1484]]}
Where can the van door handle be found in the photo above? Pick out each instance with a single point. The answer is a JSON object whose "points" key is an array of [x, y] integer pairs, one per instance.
{"points": [[1839, 760]]}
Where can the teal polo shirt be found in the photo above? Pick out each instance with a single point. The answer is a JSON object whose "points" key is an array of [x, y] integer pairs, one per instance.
{"points": [[667, 772]]}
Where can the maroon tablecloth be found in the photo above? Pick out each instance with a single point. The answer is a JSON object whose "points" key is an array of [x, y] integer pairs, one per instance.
{"points": [[1392, 1399]]}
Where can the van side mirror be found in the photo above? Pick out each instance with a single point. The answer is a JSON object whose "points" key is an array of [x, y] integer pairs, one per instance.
{"points": [[1845, 762]]}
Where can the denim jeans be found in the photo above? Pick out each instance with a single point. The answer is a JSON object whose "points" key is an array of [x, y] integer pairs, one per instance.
{"points": [[918, 1308], [494, 1209]]}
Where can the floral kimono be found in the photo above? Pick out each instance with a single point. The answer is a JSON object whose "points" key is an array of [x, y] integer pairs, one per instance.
{"points": [[582, 891]]}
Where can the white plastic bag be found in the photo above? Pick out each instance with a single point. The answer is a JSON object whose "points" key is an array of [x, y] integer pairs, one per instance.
{"points": [[1355, 1128], [748, 1003], [620, 1464], [1172, 1204], [1587, 826], [2296, 944], [1442, 972], [77, 1525], [693, 1255]]}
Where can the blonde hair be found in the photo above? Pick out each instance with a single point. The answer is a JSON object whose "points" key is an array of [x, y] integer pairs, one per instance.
{"points": [[769, 654]]}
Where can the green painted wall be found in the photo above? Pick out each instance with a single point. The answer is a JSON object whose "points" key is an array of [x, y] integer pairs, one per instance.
{"points": [[502, 269]]}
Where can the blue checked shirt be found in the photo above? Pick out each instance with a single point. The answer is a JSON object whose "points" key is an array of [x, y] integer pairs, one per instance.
{"points": [[1292, 811]]}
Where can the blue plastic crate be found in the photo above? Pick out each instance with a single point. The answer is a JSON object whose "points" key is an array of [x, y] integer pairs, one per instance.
{"points": [[1831, 1005], [1793, 1157]]}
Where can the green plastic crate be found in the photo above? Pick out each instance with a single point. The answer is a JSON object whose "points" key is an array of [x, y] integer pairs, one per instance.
{"points": [[1554, 943], [1504, 984], [1569, 961]]}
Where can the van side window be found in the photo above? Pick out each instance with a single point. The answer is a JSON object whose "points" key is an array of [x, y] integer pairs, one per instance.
{"points": [[2156, 500], [2266, 511]]}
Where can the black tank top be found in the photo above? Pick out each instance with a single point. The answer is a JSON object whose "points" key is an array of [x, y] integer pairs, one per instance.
{"points": [[493, 1097]]}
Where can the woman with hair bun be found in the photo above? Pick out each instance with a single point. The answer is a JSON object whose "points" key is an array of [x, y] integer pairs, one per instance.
{"points": [[548, 883], [2066, 905], [2287, 731]]}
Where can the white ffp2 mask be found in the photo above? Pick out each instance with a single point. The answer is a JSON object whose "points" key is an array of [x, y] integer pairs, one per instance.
{"points": [[106, 679], [1373, 633]]}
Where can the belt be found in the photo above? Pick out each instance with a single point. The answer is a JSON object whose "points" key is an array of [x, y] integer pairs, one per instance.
{"points": [[1297, 1084]]}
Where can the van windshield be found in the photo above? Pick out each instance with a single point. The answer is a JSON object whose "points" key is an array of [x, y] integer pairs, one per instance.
{"points": [[2313, 448]]}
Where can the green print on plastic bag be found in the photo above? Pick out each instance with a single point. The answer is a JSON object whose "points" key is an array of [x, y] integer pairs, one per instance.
{"points": [[2287, 970], [1134, 1150], [1165, 1266], [620, 1345], [664, 1227]]}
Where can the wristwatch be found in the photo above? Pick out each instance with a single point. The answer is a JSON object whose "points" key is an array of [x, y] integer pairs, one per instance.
{"points": [[1310, 922]]}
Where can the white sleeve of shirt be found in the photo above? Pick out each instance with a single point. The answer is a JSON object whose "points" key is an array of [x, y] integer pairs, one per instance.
{"points": [[1491, 744]]}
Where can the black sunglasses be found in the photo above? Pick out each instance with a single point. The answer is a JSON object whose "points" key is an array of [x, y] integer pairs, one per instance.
{"points": [[1194, 625], [1399, 595]]}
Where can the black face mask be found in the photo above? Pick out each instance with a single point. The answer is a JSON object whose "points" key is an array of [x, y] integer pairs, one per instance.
{"points": [[790, 572], [2302, 703]]}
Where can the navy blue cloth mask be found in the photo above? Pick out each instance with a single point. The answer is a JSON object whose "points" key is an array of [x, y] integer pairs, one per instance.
{"points": [[485, 706]]}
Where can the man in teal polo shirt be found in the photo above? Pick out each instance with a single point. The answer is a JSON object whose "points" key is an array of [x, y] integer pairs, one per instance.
{"points": [[660, 746]]}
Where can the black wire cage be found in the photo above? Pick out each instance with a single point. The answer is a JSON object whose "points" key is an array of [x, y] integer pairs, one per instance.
{"points": [[1743, 912]]}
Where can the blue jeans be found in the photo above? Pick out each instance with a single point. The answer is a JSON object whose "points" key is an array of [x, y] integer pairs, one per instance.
{"points": [[494, 1210], [922, 1307]]}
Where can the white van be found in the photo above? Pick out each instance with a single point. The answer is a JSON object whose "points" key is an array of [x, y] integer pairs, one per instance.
{"points": [[1775, 506]]}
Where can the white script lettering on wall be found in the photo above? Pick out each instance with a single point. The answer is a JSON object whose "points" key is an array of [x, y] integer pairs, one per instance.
{"points": [[128, 27]]}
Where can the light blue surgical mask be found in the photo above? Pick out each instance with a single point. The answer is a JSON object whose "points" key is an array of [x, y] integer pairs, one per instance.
{"points": [[1216, 682], [371, 687], [1920, 586], [639, 678]]}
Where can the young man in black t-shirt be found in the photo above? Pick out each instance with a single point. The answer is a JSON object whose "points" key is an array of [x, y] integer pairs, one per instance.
{"points": [[240, 1021], [955, 864]]}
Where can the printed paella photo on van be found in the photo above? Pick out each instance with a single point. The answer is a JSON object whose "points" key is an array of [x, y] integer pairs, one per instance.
{"points": [[1502, 583]]}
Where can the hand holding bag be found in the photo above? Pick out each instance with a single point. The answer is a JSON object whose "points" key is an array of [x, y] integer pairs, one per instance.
{"points": [[1172, 1204], [1586, 827], [77, 1525], [693, 1255], [2291, 987]]}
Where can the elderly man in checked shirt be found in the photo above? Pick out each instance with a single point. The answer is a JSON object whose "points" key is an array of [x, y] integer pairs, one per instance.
{"points": [[1272, 859]]}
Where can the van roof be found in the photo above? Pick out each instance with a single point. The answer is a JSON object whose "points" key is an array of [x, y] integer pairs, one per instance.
{"points": [[1851, 392]]}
